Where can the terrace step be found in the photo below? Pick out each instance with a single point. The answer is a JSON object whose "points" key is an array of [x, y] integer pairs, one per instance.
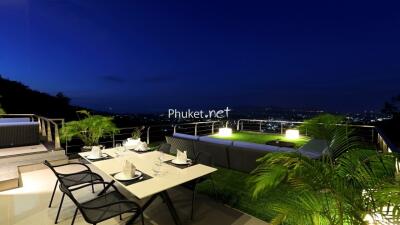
{"points": [[12, 166], [33, 157], [9, 177], [22, 150]]}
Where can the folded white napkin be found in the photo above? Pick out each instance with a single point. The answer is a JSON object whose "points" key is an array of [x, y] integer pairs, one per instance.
{"points": [[142, 146], [96, 151], [128, 169], [132, 143], [181, 156]]}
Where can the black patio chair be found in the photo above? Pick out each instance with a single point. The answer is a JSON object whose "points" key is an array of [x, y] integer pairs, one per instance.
{"points": [[104, 206], [165, 148], [206, 159], [85, 176]]}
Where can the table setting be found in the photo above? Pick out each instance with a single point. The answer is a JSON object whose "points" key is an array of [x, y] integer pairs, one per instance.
{"points": [[181, 160], [147, 175], [97, 154], [129, 174], [136, 146]]}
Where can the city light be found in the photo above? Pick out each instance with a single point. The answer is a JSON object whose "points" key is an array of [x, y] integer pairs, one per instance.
{"points": [[225, 132], [292, 134]]}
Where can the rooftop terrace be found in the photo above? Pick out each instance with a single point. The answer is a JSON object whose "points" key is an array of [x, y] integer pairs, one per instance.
{"points": [[232, 184]]}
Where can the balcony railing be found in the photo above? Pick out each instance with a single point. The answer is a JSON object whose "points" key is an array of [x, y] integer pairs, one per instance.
{"points": [[280, 126], [368, 133], [152, 133], [385, 144], [49, 131]]}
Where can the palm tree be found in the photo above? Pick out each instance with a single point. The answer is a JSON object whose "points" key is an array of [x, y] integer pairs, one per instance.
{"points": [[89, 129], [344, 186]]}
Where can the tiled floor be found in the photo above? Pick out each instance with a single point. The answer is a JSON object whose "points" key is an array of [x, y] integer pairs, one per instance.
{"points": [[28, 206], [4, 152]]}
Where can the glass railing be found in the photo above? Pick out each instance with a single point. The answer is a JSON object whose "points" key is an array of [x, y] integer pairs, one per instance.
{"points": [[154, 134], [369, 134]]}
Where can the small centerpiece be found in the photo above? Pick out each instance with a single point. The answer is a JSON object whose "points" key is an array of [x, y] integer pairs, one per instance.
{"points": [[136, 134], [134, 141]]}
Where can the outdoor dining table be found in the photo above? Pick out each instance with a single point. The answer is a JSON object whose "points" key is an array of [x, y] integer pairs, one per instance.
{"points": [[155, 185]]}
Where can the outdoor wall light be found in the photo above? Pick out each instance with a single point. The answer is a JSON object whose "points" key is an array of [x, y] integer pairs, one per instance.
{"points": [[225, 132], [292, 134]]}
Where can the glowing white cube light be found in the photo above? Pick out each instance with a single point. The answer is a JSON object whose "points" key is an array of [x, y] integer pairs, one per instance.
{"points": [[292, 134], [225, 132]]}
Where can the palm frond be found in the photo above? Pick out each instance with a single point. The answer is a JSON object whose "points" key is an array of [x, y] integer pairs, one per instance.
{"points": [[341, 188], [90, 129]]}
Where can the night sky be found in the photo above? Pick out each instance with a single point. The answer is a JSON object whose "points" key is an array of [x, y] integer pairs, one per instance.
{"points": [[148, 56]]}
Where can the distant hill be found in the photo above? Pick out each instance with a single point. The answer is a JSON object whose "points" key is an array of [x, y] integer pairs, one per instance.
{"points": [[16, 97]]}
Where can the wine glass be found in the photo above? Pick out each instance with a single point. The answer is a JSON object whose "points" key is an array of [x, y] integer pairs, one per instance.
{"points": [[157, 167], [124, 146], [118, 149], [161, 157]]}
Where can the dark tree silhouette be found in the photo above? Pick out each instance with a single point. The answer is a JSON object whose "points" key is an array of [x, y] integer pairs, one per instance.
{"points": [[2, 111], [19, 98], [392, 107], [391, 127], [63, 98]]}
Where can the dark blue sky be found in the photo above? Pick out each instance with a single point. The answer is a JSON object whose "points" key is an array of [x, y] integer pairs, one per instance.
{"points": [[142, 56]]}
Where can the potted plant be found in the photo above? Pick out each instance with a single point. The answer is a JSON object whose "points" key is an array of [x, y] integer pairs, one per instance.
{"points": [[89, 129], [137, 133], [135, 136]]}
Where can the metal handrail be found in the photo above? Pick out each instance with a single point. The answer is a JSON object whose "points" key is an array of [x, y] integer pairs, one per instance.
{"points": [[17, 114], [295, 122], [197, 127], [48, 125], [385, 143]]}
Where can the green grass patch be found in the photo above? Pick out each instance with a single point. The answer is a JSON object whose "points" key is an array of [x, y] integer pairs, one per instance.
{"points": [[233, 189], [262, 138]]}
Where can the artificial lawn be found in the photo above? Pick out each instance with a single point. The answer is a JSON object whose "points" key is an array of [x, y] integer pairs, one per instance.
{"points": [[232, 186], [262, 138], [233, 189]]}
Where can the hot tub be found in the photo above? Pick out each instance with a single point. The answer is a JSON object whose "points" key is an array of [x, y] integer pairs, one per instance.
{"points": [[18, 132]]}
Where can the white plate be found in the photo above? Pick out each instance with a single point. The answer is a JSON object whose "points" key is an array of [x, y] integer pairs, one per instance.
{"points": [[121, 176], [139, 150], [96, 157], [188, 161]]}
